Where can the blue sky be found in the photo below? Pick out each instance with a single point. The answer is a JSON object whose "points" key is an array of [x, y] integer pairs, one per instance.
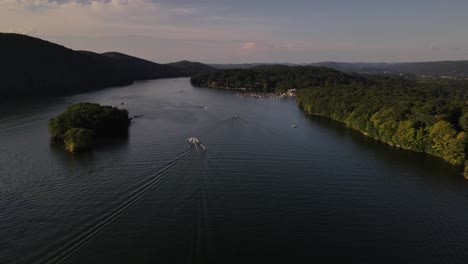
{"points": [[221, 31]]}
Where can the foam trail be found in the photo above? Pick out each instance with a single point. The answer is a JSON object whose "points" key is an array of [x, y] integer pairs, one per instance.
{"points": [[200, 239], [67, 250]]}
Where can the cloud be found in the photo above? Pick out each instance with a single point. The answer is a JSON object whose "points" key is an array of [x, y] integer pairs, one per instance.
{"points": [[58, 17], [24, 31], [184, 10], [434, 47], [117, 18], [145, 28], [249, 45]]}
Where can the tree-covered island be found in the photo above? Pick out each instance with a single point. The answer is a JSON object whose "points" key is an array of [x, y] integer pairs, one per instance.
{"points": [[80, 123], [429, 116]]}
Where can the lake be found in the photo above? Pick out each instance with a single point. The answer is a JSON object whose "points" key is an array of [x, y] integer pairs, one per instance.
{"points": [[263, 192]]}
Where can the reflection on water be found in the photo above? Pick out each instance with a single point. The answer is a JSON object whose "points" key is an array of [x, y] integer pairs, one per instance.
{"points": [[263, 192], [69, 159]]}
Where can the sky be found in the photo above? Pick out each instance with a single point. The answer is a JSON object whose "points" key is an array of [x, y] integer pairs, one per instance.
{"points": [[248, 31]]}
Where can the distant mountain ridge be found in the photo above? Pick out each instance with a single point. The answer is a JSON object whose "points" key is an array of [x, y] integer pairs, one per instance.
{"points": [[30, 67], [191, 68], [436, 68], [249, 65]]}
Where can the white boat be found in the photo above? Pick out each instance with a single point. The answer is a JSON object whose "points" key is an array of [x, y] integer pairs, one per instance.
{"points": [[196, 142], [193, 140]]}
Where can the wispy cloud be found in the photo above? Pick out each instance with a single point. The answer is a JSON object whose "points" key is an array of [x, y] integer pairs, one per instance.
{"points": [[113, 18], [249, 45], [239, 31], [140, 27], [76, 17]]}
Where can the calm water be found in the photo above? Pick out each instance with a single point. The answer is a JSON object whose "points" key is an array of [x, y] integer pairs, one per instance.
{"points": [[264, 192]]}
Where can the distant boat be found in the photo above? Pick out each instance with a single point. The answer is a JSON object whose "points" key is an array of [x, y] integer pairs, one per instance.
{"points": [[293, 126]]}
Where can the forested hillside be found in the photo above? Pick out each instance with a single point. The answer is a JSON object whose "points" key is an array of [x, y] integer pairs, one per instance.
{"points": [[429, 118], [33, 67], [273, 78], [190, 68]]}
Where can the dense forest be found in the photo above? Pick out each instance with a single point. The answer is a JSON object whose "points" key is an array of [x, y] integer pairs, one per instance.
{"points": [[34, 67], [425, 116], [274, 78]]}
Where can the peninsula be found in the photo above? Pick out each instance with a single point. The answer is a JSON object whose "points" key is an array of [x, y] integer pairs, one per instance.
{"points": [[421, 115]]}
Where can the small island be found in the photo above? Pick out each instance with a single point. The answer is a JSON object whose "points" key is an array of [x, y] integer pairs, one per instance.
{"points": [[81, 123]]}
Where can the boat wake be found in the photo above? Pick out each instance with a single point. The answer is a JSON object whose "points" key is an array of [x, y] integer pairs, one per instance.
{"points": [[68, 247], [202, 240]]}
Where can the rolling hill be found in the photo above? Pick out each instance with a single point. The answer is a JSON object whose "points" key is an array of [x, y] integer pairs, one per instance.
{"points": [[434, 68], [33, 67]]}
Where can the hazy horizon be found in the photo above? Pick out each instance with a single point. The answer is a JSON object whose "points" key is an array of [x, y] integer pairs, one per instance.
{"points": [[226, 32]]}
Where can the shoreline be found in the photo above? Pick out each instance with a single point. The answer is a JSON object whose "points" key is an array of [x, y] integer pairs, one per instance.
{"points": [[463, 167], [257, 94], [261, 95], [253, 93]]}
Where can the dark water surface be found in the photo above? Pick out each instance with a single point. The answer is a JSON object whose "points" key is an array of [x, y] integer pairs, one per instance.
{"points": [[264, 192]]}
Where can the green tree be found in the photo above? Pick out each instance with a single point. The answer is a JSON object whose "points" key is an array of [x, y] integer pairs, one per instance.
{"points": [[446, 143], [78, 140], [440, 134], [463, 121]]}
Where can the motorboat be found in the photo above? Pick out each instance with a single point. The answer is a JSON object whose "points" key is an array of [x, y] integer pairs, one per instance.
{"points": [[196, 142]]}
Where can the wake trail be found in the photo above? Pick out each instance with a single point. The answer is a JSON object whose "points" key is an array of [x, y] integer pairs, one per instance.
{"points": [[71, 247], [201, 239]]}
